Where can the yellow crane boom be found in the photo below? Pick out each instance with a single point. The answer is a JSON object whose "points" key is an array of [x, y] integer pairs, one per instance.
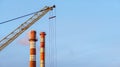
{"points": [[24, 26]]}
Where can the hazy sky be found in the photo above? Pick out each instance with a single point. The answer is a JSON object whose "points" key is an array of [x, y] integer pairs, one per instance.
{"points": [[87, 32]]}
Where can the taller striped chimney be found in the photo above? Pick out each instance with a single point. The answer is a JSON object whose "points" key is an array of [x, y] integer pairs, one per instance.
{"points": [[32, 40], [42, 49]]}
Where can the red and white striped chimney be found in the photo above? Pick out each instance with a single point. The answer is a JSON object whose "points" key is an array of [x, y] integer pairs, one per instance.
{"points": [[42, 49], [32, 40]]}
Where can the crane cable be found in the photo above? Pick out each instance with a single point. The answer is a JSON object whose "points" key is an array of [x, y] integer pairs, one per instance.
{"points": [[19, 17], [55, 47], [52, 40]]}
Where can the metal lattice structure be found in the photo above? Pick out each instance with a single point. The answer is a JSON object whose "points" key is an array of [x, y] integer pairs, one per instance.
{"points": [[23, 27]]}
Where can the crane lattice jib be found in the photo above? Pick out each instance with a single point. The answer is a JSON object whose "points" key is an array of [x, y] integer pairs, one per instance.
{"points": [[24, 26]]}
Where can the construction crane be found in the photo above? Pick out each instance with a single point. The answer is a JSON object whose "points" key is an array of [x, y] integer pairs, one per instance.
{"points": [[24, 26]]}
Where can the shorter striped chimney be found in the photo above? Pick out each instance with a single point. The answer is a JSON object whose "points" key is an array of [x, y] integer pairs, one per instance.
{"points": [[42, 49], [32, 40]]}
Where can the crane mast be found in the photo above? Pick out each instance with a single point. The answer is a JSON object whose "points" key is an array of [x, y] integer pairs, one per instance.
{"points": [[24, 26]]}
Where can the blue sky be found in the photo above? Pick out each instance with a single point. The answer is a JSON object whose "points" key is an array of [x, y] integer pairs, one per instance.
{"points": [[87, 32]]}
